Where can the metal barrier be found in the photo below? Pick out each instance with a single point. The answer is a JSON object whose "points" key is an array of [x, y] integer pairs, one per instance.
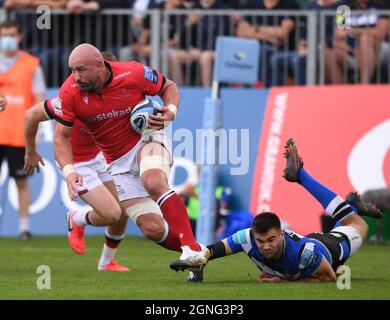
{"points": [[109, 30], [3, 15], [180, 43], [196, 31]]}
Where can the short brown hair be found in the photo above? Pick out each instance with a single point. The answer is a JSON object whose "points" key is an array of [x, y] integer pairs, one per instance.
{"points": [[265, 221], [10, 24]]}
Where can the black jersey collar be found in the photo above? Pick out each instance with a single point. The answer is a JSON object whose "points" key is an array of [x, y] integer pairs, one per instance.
{"points": [[108, 66]]}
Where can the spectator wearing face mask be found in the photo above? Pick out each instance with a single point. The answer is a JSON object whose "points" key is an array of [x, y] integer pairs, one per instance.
{"points": [[22, 83]]}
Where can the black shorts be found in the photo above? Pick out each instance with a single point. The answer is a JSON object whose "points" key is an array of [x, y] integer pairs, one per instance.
{"points": [[15, 160], [334, 243]]}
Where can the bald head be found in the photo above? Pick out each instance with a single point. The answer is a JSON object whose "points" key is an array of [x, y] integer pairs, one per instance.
{"points": [[87, 65], [85, 53]]}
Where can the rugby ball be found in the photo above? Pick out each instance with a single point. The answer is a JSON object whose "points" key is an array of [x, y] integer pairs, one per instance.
{"points": [[140, 114]]}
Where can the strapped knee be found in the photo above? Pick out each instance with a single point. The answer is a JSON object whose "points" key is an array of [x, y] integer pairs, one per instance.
{"points": [[154, 162], [144, 206]]}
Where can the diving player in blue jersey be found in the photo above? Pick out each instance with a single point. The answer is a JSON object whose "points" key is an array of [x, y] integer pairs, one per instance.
{"points": [[287, 256]]}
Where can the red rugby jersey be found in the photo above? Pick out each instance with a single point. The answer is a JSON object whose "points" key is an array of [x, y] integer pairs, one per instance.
{"points": [[84, 147], [107, 115]]}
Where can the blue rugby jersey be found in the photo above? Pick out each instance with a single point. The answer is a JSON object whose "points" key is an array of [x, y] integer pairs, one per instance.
{"points": [[301, 256]]}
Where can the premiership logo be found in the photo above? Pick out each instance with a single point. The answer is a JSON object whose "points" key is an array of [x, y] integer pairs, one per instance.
{"points": [[56, 103]]}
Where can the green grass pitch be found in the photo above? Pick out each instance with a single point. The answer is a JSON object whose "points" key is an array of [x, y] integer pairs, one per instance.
{"points": [[234, 277]]}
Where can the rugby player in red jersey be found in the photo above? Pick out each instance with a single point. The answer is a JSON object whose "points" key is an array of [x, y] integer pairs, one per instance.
{"points": [[102, 94], [98, 188]]}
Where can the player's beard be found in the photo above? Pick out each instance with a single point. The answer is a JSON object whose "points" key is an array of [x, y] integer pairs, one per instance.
{"points": [[278, 251], [87, 86], [269, 255]]}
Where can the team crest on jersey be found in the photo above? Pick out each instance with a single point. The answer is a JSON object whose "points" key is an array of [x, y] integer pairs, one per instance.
{"points": [[56, 103], [150, 74], [85, 99], [308, 256]]}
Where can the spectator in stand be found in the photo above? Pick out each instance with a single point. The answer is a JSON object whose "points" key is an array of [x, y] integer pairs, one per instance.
{"points": [[359, 46], [141, 6], [275, 33], [81, 6], [236, 4], [293, 63], [83, 24], [20, 4], [384, 54], [23, 84], [197, 43], [140, 49]]}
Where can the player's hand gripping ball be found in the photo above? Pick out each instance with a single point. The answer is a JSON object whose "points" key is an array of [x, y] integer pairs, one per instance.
{"points": [[140, 114]]}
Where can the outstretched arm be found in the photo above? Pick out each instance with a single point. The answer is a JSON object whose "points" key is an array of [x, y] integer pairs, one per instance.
{"points": [[232, 244], [219, 249]]}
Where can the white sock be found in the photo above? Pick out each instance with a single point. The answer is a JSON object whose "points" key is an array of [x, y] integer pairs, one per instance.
{"points": [[79, 218], [107, 255], [24, 224]]}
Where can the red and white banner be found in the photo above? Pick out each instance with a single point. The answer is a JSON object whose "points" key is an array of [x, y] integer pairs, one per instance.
{"points": [[343, 136]]}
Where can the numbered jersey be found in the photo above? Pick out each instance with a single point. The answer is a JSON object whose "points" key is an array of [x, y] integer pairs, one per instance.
{"points": [[301, 255]]}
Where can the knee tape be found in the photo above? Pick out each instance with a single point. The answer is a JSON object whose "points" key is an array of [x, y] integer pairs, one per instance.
{"points": [[154, 162], [145, 206]]}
